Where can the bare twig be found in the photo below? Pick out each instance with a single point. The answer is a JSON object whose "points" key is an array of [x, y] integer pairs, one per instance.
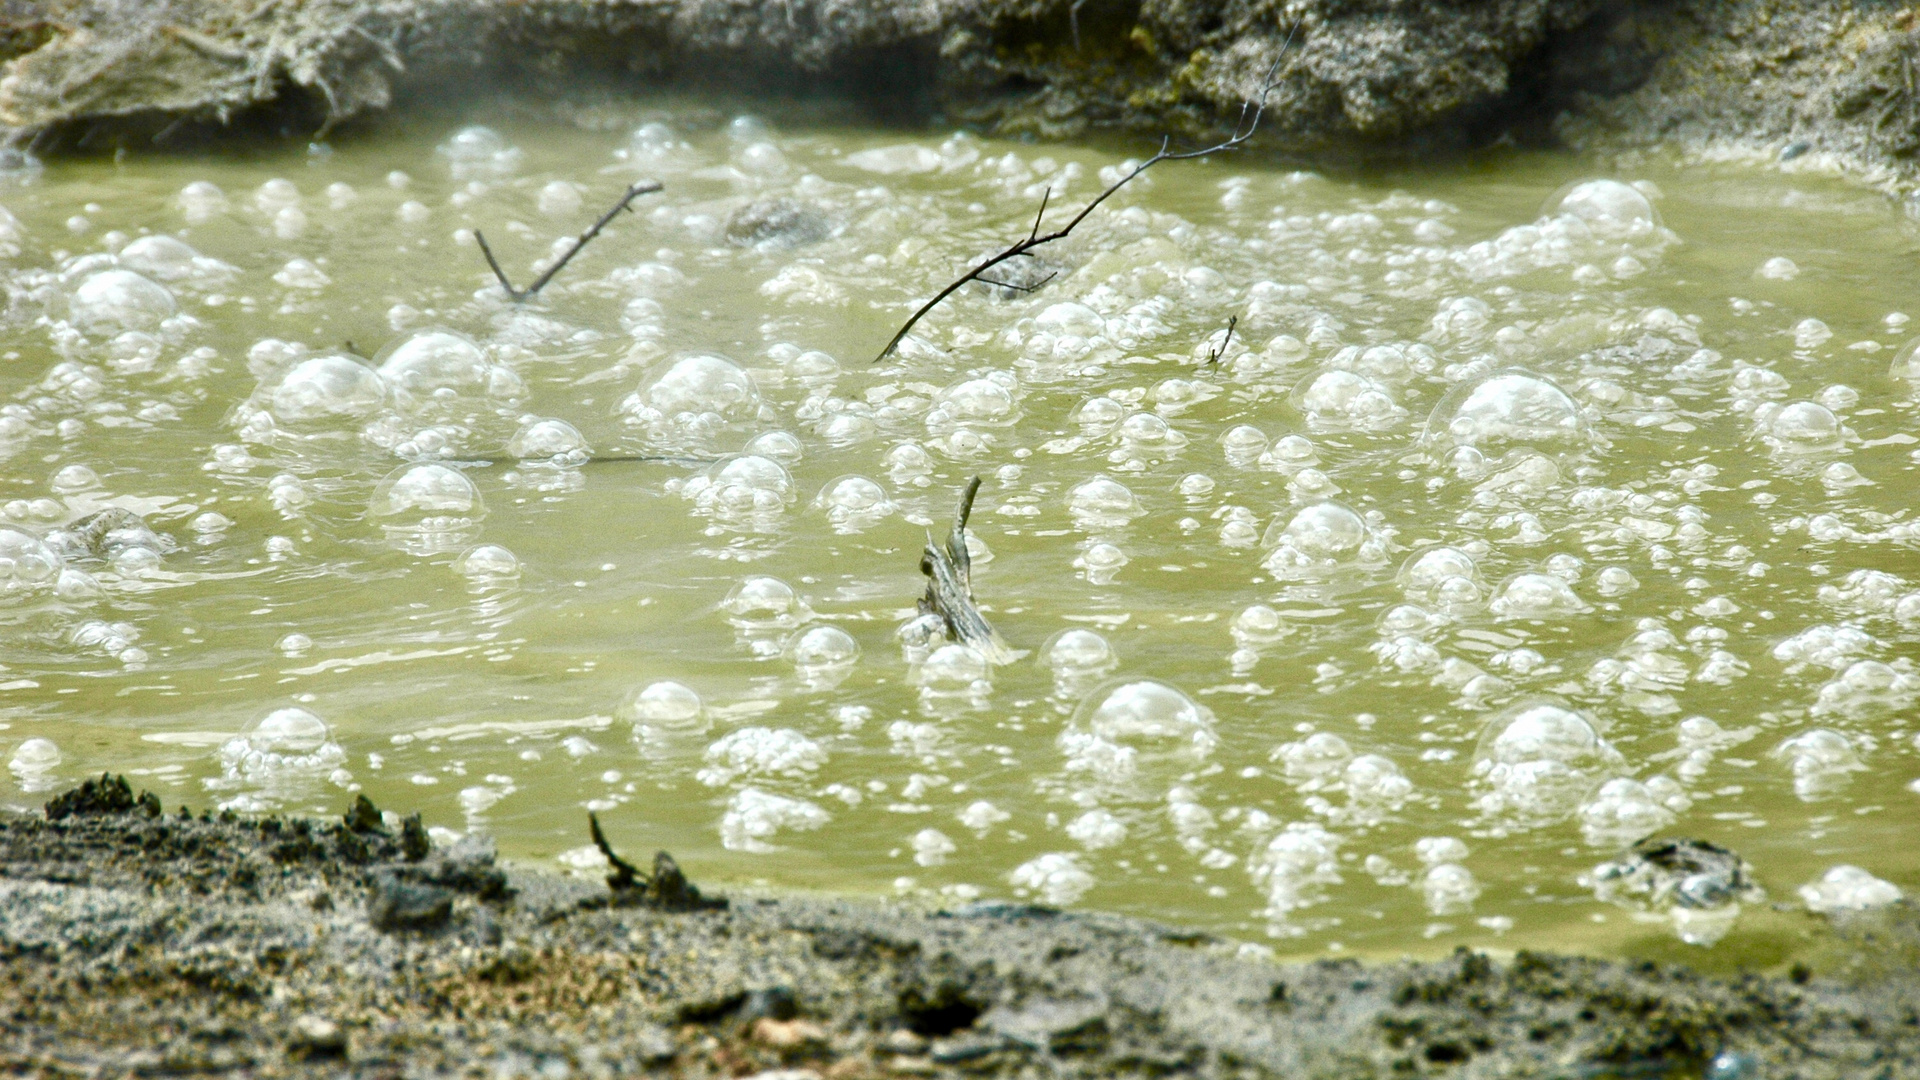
{"points": [[644, 187], [1214, 355], [1243, 129], [625, 874]]}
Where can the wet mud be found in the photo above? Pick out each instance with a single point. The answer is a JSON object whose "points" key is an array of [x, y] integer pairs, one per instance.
{"points": [[1359, 79], [135, 940]]}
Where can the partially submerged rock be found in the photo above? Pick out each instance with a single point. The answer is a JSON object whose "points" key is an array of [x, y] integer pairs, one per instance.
{"points": [[777, 223]]}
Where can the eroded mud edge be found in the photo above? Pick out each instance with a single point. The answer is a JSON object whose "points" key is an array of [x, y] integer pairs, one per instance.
{"points": [[136, 941], [1821, 84]]}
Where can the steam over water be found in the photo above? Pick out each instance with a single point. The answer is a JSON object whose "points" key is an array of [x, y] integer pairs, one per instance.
{"points": [[1528, 511]]}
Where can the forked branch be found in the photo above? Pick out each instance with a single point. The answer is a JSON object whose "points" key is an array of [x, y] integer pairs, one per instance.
{"points": [[644, 187], [1214, 354], [1243, 129]]}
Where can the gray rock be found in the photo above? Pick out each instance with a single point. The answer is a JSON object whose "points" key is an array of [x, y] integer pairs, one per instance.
{"points": [[777, 224], [398, 905], [1361, 78]]}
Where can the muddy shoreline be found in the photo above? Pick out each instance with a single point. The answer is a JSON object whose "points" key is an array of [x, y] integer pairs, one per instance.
{"points": [[139, 940], [1820, 84]]}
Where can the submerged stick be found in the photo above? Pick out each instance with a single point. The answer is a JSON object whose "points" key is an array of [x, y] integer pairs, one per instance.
{"points": [[949, 596], [644, 187], [1244, 127]]}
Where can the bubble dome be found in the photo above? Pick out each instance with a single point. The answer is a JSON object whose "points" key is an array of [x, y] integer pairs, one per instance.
{"points": [[549, 439], [324, 389], [1538, 761], [1610, 208], [692, 397], [434, 360], [1149, 715], [425, 494], [663, 707], [115, 300], [27, 564], [1509, 409]]}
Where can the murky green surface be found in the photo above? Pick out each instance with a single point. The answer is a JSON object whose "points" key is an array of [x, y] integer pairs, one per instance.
{"points": [[1656, 429]]}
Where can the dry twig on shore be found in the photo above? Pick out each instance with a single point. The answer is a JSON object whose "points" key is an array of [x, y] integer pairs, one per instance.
{"points": [[644, 187], [1244, 127]]}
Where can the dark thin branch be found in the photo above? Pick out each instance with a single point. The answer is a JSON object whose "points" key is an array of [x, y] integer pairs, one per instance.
{"points": [[625, 874], [644, 187], [1244, 127], [1035, 287], [1214, 355]]}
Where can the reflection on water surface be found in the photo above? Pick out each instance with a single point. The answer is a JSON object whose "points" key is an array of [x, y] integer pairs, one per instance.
{"points": [[1526, 513]]}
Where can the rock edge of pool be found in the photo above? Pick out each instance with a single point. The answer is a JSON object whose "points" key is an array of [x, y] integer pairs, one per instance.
{"points": [[135, 939], [1825, 85]]}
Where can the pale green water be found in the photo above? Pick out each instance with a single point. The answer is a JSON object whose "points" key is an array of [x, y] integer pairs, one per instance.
{"points": [[1689, 539]]}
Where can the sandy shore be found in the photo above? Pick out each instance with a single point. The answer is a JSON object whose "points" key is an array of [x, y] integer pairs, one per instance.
{"points": [[134, 940]]}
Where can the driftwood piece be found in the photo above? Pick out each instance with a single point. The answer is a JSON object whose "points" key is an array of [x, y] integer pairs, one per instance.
{"points": [[667, 888], [949, 595]]}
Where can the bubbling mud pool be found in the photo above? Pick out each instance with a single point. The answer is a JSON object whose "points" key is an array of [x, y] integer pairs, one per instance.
{"points": [[1527, 512]]}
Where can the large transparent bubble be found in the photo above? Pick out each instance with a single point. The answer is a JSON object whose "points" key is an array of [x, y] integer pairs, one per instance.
{"points": [[1537, 762], [1444, 576], [115, 300], [742, 489], [1102, 503], [323, 390], [159, 257], [1078, 659], [554, 441], [823, 656], [854, 504], [1611, 209], [1509, 409], [1321, 538], [1126, 725], [1336, 400], [433, 360], [663, 709], [427, 509], [28, 566], [1823, 762], [1536, 596], [691, 399], [33, 764]]}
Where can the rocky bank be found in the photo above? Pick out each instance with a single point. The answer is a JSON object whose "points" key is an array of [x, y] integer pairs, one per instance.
{"points": [[134, 941], [1829, 80]]}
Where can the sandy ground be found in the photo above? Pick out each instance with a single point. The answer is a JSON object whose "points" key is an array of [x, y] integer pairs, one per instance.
{"points": [[136, 941]]}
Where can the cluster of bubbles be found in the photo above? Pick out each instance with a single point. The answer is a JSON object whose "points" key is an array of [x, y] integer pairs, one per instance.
{"points": [[285, 756], [1097, 392]]}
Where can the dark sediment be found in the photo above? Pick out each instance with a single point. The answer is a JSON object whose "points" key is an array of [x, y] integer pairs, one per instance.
{"points": [[1361, 78], [138, 942]]}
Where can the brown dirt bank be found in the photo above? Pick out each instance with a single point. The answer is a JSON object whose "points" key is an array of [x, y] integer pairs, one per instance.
{"points": [[138, 942], [1363, 78]]}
